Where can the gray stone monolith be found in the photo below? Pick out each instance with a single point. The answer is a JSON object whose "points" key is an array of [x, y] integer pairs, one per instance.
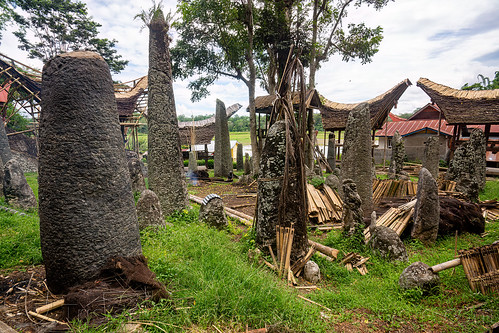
{"points": [[222, 163], [270, 185], [149, 212], [468, 166], [86, 206], [419, 275], [136, 177], [398, 155], [5, 152], [247, 164], [357, 156], [427, 210], [386, 242], [333, 182], [193, 163], [212, 212], [331, 151], [165, 164], [431, 155], [15, 187], [352, 214], [240, 157]]}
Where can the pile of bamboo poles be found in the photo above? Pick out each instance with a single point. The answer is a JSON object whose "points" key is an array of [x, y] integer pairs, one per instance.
{"points": [[481, 266], [490, 209], [393, 188], [284, 240], [354, 260], [396, 218], [445, 185], [325, 205]]}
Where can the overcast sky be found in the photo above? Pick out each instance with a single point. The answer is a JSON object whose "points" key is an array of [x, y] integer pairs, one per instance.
{"points": [[447, 41]]}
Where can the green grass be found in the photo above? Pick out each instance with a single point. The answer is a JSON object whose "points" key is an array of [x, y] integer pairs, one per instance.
{"points": [[211, 278], [491, 190]]}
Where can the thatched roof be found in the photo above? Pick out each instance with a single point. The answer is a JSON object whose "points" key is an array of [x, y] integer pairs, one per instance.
{"points": [[335, 115], [204, 130], [264, 104], [126, 100], [463, 106], [27, 84]]}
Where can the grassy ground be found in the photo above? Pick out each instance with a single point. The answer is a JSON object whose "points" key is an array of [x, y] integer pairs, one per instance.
{"points": [[213, 283]]}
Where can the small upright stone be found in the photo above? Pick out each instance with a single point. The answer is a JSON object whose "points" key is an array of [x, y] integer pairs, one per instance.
{"points": [[149, 211], [311, 272], [193, 163], [136, 177], [16, 189], [357, 157], [212, 212], [427, 209], [386, 242], [333, 182], [222, 163], [240, 162], [419, 275], [398, 155], [247, 164], [431, 155], [352, 218], [331, 151]]}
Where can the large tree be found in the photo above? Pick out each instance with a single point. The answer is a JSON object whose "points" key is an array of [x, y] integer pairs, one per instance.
{"points": [[484, 83], [48, 28], [216, 39]]}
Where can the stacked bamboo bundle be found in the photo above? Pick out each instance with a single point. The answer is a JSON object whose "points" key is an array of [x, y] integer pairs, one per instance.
{"points": [[325, 205], [396, 218], [355, 260], [481, 266], [490, 209], [445, 185], [393, 188], [284, 239]]}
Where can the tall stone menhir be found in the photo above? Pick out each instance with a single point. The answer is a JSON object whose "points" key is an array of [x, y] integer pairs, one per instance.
{"points": [[357, 159], [430, 158], [87, 210], [165, 166], [222, 163], [398, 155]]}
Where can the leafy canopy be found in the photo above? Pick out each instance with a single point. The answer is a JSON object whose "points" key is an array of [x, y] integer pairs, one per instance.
{"points": [[484, 84], [50, 27]]}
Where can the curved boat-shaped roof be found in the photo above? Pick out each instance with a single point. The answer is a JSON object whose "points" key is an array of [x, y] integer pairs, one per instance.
{"points": [[204, 130], [463, 106], [126, 99], [334, 115]]}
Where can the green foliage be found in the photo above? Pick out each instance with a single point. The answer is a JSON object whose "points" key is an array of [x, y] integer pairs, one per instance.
{"points": [[484, 83], [317, 181], [61, 26], [184, 118]]}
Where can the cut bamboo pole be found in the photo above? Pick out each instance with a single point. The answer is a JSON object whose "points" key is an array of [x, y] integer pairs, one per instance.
{"points": [[49, 307], [446, 265], [310, 301], [40, 316], [333, 253]]}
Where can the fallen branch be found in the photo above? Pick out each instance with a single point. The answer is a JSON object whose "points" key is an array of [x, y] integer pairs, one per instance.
{"points": [[39, 316]]}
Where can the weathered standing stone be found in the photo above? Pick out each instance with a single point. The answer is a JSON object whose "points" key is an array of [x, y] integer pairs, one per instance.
{"points": [[352, 217], [87, 211], [431, 154], [222, 163], [16, 189], [149, 211], [165, 165], [193, 163], [331, 151], [468, 166], [356, 160], [136, 177], [398, 155], [386, 242], [247, 164], [270, 184], [419, 275], [5, 152], [240, 159], [427, 209], [212, 212], [333, 182], [311, 272]]}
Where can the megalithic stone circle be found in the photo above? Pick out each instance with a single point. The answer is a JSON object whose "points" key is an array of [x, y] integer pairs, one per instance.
{"points": [[356, 159], [86, 206], [222, 163], [165, 164]]}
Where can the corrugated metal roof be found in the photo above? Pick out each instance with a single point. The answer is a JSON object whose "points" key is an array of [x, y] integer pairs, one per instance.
{"points": [[409, 127]]}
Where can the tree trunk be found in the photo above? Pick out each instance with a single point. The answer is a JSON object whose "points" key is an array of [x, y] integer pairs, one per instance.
{"points": [[166, 168]]}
